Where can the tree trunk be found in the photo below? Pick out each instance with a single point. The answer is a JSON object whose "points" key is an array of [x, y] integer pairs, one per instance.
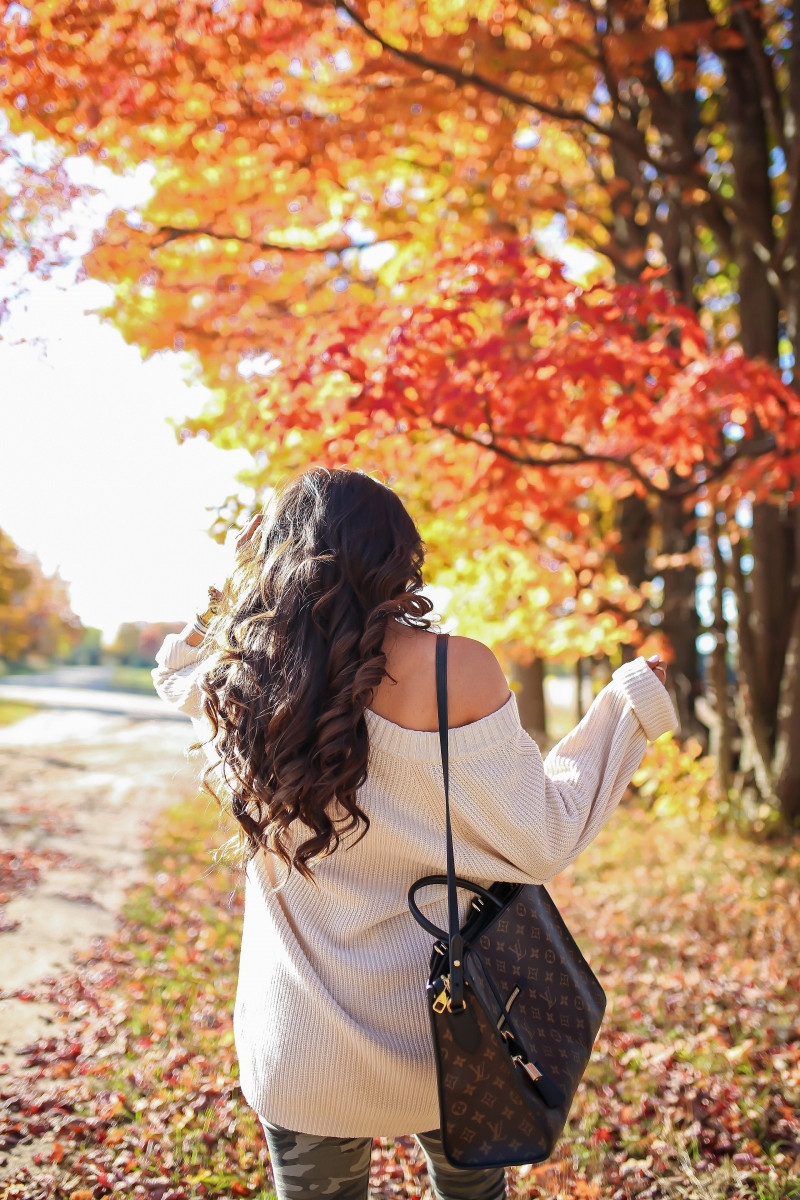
{"points": [[530, 697], [744, 116], [772, 602], [635, 522], [786, 760], [579, 709], [750, 707], [681, 623], [719, 674], [786, 765], [791, 250]]}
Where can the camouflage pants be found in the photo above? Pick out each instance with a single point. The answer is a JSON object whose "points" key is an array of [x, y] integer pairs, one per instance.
{"points": [[306, 1167]]}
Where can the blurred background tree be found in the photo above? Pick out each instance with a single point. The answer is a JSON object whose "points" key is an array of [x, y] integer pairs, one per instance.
{"points": [[137, 642], [321, 169], [36, 621]]}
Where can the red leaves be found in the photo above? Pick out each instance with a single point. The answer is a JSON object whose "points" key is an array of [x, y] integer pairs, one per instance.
{"points": [[496, 348], [602, 1135]]}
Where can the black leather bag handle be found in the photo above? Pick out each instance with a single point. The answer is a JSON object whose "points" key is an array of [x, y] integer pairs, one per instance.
{"points": [[437, 880], [456, 942]]}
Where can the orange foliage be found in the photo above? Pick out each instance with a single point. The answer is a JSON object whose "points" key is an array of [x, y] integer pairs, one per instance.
{"points": [[35, 615], [288, 134]]}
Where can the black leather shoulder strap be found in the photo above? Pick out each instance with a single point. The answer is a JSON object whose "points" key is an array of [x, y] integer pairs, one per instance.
{"points": [[441, 705], [455, 940]]}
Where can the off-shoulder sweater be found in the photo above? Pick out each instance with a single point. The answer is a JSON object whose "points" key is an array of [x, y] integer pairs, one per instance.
{"points": [[331, 1023]]}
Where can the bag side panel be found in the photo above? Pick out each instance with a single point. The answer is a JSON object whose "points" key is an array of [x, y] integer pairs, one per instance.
{"points": [[559, 1007], [488, 1115]]}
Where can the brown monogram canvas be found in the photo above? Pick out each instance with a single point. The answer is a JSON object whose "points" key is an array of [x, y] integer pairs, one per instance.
{"points": [[492, 1112]]}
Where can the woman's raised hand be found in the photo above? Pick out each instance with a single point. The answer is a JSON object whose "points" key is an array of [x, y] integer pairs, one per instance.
{"points": [[658, 668], [246, 534]]}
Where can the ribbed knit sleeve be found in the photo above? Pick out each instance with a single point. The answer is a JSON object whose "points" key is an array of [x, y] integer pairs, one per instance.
{"points": [[648, 698], [176, 676], [586, 774], [522, 819]]}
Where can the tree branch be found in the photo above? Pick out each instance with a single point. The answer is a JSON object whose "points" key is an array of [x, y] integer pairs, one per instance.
{"points": [[174, 233], [580, 456], [527, 460], [481, 81]]}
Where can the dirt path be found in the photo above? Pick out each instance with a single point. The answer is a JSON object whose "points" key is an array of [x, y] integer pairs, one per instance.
{"points": [[77, 790]]}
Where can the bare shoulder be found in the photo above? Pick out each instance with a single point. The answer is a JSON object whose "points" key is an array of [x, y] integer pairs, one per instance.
{"points": [[477, 685]]}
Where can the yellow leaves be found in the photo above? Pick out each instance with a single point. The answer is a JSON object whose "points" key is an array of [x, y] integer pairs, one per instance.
{"points": [[737, 1053], [241, 224], [332, 392], [587, 601], [431, 26], [406, 259], [503, 595], [678, 780], [472, 320], [518, 39]]}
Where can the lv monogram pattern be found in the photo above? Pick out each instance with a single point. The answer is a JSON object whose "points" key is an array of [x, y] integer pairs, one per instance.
{"points": [[491, 1111]]}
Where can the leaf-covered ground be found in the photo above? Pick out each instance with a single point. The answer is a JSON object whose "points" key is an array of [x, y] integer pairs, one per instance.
{"points": [[694, 1090]]}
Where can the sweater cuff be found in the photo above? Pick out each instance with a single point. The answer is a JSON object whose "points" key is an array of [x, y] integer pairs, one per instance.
{"points": [[176, 653], [648, 698]]}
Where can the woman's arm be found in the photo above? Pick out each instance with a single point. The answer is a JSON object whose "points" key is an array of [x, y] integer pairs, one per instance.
{"points": [[522, 819], [176, 674], [587, 773]]}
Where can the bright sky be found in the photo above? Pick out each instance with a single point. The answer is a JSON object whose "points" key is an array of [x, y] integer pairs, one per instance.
{"points": [[92, 478]]}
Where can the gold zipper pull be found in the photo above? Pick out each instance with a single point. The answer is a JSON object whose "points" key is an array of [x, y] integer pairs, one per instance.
{"points": [[443, 999]]}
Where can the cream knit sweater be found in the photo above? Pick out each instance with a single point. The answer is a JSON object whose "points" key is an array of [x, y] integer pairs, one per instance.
{"points": [[331, 1023]]}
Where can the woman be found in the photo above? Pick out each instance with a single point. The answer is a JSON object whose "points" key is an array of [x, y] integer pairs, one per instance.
{"points": [[314, 691]]}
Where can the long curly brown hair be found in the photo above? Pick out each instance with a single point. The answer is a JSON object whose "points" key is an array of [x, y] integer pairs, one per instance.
{"points": [[296, 654]]}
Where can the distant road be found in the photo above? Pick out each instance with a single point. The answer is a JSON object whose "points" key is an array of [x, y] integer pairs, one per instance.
{"points": [[84, 688]]}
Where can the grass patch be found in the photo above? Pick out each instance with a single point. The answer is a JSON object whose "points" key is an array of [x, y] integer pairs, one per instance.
{"points": [[693, 1092], [132, 679], [11, 711]]}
